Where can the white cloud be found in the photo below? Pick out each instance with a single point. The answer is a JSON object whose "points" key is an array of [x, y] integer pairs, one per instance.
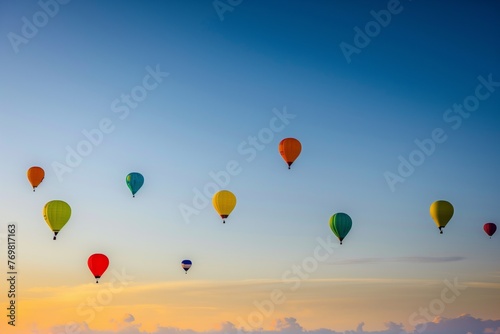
{"points": [[128, 318], [289, 325], [462, 324]]}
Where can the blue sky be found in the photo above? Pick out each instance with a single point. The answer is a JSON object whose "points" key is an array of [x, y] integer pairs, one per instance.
{"points": [[179, 90]]}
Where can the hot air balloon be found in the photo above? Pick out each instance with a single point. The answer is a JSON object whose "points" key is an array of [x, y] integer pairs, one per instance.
{"points": [[98, 263], [289, 149], [224, 202], [490, 229], [340, 224], [134, 182], [186, 264], [35, 176], [441, 212], [56, 213]]}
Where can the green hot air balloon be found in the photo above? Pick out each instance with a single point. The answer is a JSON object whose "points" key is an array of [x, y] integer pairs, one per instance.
{"points": [[341, 224], [134, 182], [56, 214]]}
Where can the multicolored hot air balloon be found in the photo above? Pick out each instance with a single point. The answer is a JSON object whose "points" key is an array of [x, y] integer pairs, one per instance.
{"points": [[340, 224], [490, 229], [35, 176], [134, 182], [224, 202], [98, 263], [186, 264], [441, 211], [289, 149], [56, 213]]}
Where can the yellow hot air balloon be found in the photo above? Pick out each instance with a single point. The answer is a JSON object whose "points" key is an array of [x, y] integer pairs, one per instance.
{"points": [[441, 211], [224, 202], [56, 214]]}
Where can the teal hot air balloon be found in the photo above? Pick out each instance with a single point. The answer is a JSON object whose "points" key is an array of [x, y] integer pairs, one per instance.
{"points": [[341, 224], [134, 182]]}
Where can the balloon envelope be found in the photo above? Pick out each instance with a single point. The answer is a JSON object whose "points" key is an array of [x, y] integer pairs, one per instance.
{"points": [[98, 263], [441, 211], [289, 149], [224, 202], [490, 228], [35, 175], [134, 182], [340, 224], [56, 213], [186, 264]]}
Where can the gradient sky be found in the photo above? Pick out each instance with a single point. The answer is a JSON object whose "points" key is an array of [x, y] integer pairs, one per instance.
{"points": [[182, 89]]}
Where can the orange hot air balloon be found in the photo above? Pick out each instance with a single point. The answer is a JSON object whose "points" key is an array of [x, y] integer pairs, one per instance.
{"points": [[289, 149], [35, 176]]}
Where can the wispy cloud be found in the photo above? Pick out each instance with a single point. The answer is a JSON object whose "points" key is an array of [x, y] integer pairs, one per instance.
{"points": [[484, 285], [403, 259], [206, 286]]}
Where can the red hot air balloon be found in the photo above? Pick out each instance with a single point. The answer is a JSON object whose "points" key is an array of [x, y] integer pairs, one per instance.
{"points": [[490, 229], [98, 263]]}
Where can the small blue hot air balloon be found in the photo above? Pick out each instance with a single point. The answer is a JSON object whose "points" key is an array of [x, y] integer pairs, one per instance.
{"points": [[186, 264], [134, 182]]}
